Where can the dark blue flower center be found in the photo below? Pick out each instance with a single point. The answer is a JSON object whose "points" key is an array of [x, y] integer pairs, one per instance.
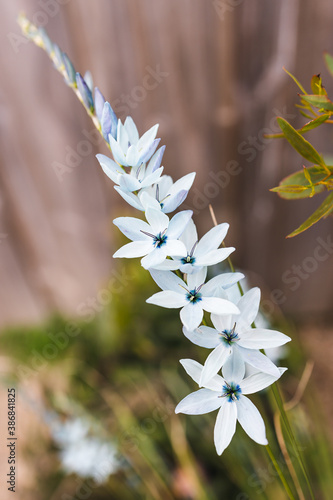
{"points": [[194, 296], [160, 239], [188, 260], [229, 337], [231, 391]]}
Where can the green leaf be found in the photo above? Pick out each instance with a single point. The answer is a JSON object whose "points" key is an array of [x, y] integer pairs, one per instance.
{"points": [[319, 101], [298, 179], [295, 80], [306, 128], [329, 62], [302, 146], [323, 211], [313, 123], [292, 189], [317, 85]]}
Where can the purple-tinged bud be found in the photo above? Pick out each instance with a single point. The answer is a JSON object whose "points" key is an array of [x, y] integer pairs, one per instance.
{"points": [[156, 159], [70, 71], [84, 92], [99, 104], [109, 122]]}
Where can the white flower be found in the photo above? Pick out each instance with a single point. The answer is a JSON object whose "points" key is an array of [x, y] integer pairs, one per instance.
{"points": [[228, 394], [235, 338], [202, 253], [155, 240], [163, 195], [129, 150], [138, 178], [81, 452], [195, 296]]}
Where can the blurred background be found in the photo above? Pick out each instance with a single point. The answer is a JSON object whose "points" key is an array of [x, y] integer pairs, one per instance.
{"points": [[210, 73]]}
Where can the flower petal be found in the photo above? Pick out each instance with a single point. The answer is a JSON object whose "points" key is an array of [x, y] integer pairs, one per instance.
{"points": [[122, 137], [222, 323], [219, 306], [204, 336], [197, 278], [251, 420], [258, 382], [155, 161], [117, 152], [224, 281], [168, 281], [110, 167], [191, 315], [157, 220], [148, 151], [248, 306], [214, 363], [168, 299], [213, 257], [132, 131], [174, 248], [260, 338], [178, 223], [134, 249], [234, 368], [132, 156], [199, 402], [155, 257], [148, 137], [152, 179], [174, 201], [212, 239], [225, 425], [132, 228], [258, 360], [131, 198], [192, 368]]}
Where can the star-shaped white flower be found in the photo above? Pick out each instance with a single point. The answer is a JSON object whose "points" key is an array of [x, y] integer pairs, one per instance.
{"points": [[156, 239], [164, 195], [129, 150], [195, 296], [138, 177], [199, 253], [229, 395], [233, 337]]}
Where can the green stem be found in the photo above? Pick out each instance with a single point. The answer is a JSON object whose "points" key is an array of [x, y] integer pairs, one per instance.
{"points": [[280, 473], [279, 402]]}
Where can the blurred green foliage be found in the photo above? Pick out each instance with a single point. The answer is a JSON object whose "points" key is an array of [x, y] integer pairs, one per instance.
{"points": [[121, 369]]}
